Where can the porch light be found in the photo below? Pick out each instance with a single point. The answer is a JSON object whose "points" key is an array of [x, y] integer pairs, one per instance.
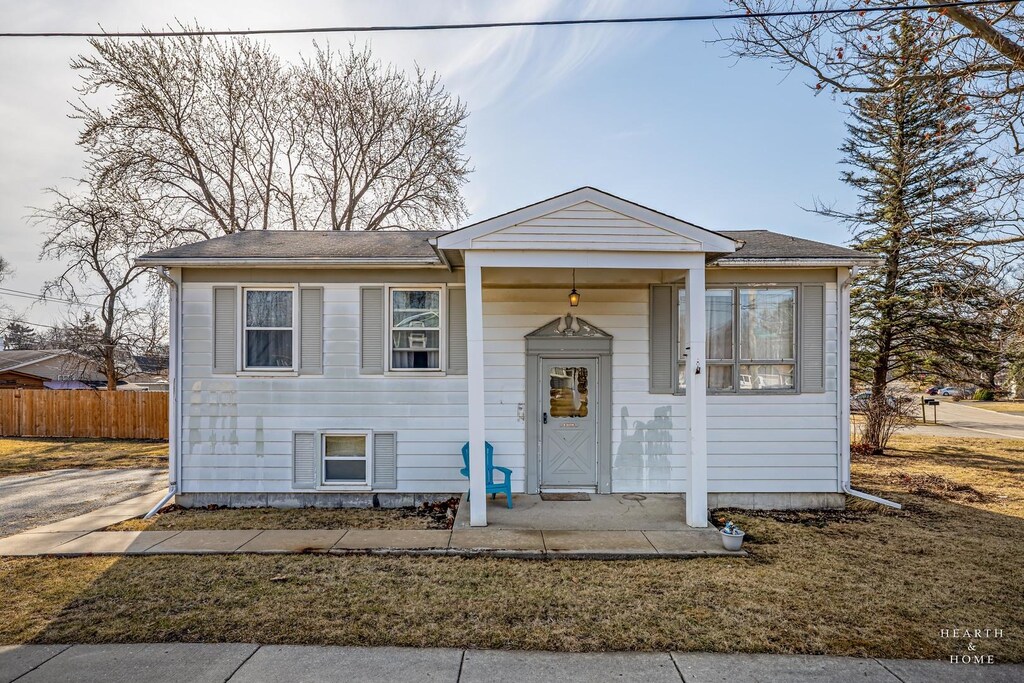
{"points": [[574, 296]]}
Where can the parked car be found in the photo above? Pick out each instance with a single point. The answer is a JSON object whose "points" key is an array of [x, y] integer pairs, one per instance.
{"points": [[932, 391], [859, 402], [954, 392]]}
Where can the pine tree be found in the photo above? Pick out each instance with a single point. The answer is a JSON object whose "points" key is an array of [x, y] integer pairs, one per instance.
{"points": [[912, 164], [20, 337]]}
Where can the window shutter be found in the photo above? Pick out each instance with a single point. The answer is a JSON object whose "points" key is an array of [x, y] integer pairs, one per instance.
{"points": [[812, 338], [371, 330], [304, 460], [225, 329], [385, 460], [458, 360], [311, 330], [663, 367]]}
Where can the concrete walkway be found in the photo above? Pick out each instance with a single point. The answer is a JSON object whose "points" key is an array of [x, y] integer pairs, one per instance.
{"points": [[243, 663], [84, 535], [594, 545]]}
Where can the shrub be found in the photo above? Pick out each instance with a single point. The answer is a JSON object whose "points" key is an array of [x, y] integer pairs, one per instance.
{"points": [[984, 395]]}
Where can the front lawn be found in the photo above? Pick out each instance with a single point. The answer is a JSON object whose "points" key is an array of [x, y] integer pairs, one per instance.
{"points": [[864, 582], [1009, 407], [25, 455]]}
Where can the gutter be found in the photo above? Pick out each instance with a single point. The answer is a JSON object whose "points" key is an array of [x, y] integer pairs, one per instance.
{"points": [[173, 389], [841, 262], [844, 396], [230, 262]]}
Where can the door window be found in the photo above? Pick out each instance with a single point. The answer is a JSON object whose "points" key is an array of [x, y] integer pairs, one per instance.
{"points": [[569, 392]]}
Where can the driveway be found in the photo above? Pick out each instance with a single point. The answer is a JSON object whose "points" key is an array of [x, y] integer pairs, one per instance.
{"points": [[31, 500], [958, 419]]}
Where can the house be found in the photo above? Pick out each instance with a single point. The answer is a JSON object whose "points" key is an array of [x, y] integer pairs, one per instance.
{"points": [[329, 368], [48, 369]]}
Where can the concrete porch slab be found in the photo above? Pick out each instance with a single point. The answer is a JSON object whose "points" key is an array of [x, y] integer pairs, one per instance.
{"points": [[197, 542], [289, 541], [497, 540], [603, 543], [33, 543], [393, 539], [603, 512], [113, 543]]}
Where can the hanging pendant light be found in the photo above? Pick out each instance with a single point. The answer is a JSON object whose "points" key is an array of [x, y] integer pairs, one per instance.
{"points": [[574, 296]]}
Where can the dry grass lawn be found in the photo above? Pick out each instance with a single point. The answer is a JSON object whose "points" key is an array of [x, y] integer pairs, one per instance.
{"points": [[862, 582], [1010, 407], [23, 455], [180, 519]]}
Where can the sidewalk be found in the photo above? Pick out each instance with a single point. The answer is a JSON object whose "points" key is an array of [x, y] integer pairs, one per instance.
{"points": [[83, 535], [242, 663]]}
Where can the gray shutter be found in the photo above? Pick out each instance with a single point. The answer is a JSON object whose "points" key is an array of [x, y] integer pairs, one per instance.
{"points": [[225, 329], [371, 330], [812, 338], [311, 330], [663, 365], [304, 460], [385, 460], [458, 360]]}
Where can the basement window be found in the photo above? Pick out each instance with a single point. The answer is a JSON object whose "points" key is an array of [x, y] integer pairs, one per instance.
{"points": [[346, 459]]}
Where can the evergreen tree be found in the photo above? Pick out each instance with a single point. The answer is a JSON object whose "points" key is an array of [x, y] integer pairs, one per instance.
{"points": [[910, 156], [20, 337]]}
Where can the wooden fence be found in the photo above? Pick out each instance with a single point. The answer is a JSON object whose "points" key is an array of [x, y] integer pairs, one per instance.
{"points": [[83, 413]]}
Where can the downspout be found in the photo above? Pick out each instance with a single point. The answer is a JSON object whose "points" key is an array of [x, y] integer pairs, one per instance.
{"points": [[844, 395], [173, 389]]}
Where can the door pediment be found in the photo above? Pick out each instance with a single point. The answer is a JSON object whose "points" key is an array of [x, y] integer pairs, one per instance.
{"points": [[568, 326]]}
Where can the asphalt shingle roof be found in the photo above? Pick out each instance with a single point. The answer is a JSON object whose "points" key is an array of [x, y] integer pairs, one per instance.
{"points": [[13, 359], [415, 244]]}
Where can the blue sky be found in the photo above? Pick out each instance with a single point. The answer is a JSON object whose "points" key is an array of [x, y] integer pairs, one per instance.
{"points": [[652, 113]]}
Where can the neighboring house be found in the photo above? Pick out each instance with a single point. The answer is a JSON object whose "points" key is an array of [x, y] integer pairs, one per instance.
{"points": [[48, 369], [147, 373], [713, 364]]}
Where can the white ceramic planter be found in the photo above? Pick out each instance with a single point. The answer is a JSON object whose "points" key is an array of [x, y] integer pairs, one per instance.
{"points": [[732, 541]]}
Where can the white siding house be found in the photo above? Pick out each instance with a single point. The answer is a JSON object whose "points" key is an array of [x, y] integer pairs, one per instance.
{"points": [[334, 368]]}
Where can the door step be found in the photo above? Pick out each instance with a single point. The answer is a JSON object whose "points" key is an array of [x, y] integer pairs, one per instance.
{"points": [[564, 496]]}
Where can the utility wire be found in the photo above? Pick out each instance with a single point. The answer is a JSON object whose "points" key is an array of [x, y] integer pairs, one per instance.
{"points": [[46, 299], [508, 24]]}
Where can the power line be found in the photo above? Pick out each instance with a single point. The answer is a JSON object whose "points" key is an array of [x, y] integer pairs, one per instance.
{"points": [[508, 24], [26, 322], [40, 297]]}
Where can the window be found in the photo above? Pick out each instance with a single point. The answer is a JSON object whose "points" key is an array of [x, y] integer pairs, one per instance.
{"points": [[415, 329], [346, 459], [751, 346], [269, 329]]}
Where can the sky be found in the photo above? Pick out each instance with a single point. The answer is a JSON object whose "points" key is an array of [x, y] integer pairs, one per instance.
{"points": [[656, 113]]}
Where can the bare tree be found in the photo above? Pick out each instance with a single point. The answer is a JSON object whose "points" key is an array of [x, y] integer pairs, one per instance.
{"points": [[386, 148], [227, 137], [98, 234], [978, 51]]}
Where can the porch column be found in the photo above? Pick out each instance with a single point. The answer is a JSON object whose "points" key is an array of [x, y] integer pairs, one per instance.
{"points": [[696, 398], [475, 391]]}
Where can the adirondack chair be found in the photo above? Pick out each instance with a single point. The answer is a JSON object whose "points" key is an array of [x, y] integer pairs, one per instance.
{"points": [[492, 488]]}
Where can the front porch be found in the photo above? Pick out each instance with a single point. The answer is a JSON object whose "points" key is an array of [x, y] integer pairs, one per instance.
{"points": [[598, 370]]}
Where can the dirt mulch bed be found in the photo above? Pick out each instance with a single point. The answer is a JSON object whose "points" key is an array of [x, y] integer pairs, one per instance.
{"points": [[439, 515]]}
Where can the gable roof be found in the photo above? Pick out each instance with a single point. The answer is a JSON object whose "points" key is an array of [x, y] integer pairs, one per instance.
{"points": [[318, 247], [11, 360], [587, 218], [769, 248]]}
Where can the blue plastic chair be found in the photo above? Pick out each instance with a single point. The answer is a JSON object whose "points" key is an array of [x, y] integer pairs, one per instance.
{"points": [[492, 488]]}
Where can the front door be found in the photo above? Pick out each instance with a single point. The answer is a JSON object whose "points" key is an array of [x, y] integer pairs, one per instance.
{"points": [[568, 423]]}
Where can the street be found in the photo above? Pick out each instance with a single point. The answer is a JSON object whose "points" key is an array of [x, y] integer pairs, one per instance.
{"points": [[964, 420]]}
